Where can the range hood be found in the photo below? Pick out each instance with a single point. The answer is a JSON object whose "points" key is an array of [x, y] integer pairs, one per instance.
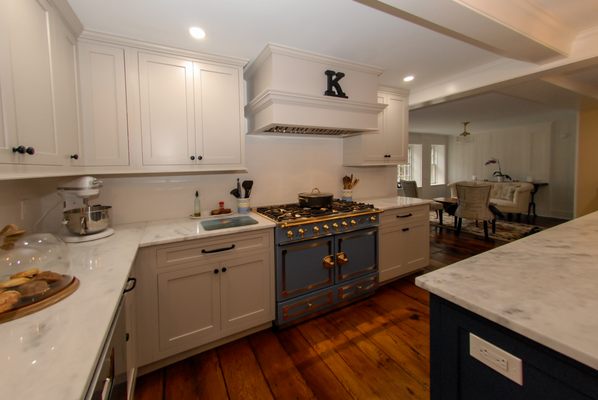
{"points": [[286, 90]]}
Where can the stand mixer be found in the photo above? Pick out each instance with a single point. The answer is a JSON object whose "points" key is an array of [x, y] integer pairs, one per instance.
{"points": [[84, 222]]}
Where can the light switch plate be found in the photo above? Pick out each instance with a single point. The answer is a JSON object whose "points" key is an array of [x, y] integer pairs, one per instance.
{"points": [[496, 358]]}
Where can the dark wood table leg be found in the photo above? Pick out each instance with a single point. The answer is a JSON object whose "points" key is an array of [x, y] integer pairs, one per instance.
{"points": [[440, 212]]}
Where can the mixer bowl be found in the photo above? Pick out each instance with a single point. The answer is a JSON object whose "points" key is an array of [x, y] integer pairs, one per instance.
{"points": [[87, 220]]}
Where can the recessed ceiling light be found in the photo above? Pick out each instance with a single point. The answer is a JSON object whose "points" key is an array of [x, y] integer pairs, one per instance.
{"points": [[408, 78], [197, 33]]}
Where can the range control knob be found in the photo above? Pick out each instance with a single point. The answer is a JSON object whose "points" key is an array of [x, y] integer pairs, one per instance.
{"points": [[289, 234], [353, 222], [344, 224], [373, 218], [335, 225], [316, 230], [326, 227], [301, 232]]}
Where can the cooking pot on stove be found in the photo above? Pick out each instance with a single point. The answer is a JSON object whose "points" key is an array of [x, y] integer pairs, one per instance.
{"points": [[87, 220], [315, 199]]}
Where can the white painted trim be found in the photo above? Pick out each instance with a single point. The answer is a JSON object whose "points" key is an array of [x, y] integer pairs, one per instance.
{"points": [[394, 90], [68, 16], [147, 46]]}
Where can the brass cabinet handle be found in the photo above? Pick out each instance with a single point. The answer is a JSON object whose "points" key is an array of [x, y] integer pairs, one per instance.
{"points": [[341, 258], [328, 262]]}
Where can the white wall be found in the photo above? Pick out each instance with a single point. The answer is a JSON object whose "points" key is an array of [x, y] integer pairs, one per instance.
{"points": [[280, 167], [427, 140], [544, 151]]}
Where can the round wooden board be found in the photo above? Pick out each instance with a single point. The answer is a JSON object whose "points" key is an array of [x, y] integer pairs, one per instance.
{"points": [[41, 304]]}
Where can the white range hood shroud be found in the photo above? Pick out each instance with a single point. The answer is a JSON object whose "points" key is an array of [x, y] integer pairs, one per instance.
{"points": [[285, 88]]}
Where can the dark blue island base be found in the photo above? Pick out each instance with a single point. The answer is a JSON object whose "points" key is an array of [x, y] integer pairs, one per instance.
{"points": [[456, 375]]}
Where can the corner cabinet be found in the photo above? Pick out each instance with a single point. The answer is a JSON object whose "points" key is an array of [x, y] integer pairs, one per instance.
{"points": [[190, 112], [404, 241], [388, 145], [38, 85], [196, 292]]}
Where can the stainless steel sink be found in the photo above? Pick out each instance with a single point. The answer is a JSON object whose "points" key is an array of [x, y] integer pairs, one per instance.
{"points": [[231, 222]]}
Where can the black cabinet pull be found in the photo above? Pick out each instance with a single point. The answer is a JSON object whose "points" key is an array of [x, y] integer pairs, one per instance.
{"points": [[216, 271], [204, 251], [131, 283], [74, 156], [405, 216], [192, 158], [127, 337], [19, 149], [30, 151], [405, 229], [200, 157], [224, 269]]}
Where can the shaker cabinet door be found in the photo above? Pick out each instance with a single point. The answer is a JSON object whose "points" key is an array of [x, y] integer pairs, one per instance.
{"points": [[167, 110], [188, 307], [246, 292], [352, 257], [103, 105], [218, 114]]}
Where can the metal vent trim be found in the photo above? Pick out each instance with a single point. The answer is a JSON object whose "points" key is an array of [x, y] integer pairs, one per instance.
{"points": [[302, 130]]}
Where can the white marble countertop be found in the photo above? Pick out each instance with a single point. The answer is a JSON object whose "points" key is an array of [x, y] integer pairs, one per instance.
{"points": [[52, 354], [544, 287], [389, 203]]}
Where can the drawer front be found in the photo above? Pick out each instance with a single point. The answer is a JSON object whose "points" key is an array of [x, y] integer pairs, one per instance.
{"points": [[405, 216], [356, 288], [208, 249], [304, 306]]}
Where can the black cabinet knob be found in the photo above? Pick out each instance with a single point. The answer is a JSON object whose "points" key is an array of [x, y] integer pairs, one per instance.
{"points": [[19, 149], [224, 269], [200, 157], [74, 156], [192, 158], [30, 151], [216, 271]]}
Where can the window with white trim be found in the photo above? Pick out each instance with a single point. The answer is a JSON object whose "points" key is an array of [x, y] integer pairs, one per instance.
{"points": [[412, 171], [437, 164]]}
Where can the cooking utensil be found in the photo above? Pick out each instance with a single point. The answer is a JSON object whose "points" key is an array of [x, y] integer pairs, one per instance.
{"points": [[87, 220], [247, 185], [238, 187], [315, 199], [236, 192]]}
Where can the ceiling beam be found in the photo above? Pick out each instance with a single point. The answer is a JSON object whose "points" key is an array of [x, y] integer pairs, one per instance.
{"points": [[515, 29], [572, 85]]}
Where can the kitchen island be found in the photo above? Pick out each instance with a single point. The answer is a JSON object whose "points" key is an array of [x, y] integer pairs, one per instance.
{"points": [[52, 354], [537, 300]]}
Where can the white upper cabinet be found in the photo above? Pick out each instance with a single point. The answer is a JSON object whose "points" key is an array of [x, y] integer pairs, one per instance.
{"points": [[387, 146], [104, 134], [37, 84], [190, 112]]}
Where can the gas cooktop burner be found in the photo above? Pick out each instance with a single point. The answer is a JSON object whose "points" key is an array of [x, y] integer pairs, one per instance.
{"points": [[293, 212]]}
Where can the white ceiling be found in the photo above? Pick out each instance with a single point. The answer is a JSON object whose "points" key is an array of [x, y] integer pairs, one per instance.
{"points": [[357, 32]]}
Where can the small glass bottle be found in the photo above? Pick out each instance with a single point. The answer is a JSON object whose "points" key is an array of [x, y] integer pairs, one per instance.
{"points": [[196, 205]]}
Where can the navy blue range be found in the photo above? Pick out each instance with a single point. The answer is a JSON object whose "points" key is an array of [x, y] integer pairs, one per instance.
{"points": [[325, 257]]}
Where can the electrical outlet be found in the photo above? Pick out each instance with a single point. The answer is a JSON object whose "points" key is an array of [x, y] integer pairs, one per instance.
{"points": [[496, 358]]}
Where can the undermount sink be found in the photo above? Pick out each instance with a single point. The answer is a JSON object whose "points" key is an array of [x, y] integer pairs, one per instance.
{"points": [[231, 222]]}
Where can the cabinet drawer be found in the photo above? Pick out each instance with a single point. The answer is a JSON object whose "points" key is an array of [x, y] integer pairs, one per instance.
{"points": [[357, 288], [208, 249], [405, 216], [306, 305]]}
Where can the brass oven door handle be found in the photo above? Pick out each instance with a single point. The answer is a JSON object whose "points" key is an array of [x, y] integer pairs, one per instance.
{"points": [[341, 258], [328, 262]]}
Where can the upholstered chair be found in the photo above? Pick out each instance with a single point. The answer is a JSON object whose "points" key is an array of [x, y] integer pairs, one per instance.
{"points": [[473, 203], [409, 189]]}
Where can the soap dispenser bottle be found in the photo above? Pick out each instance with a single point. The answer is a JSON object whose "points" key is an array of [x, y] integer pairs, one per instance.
{"points": [[196, 205]]}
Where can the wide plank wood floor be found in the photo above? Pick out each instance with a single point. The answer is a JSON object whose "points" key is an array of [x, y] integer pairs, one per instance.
{"points": [[377, 348]]}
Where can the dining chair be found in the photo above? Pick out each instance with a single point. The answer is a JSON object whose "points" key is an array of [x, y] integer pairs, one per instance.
{"points": [[473, 202], [409, 189]]}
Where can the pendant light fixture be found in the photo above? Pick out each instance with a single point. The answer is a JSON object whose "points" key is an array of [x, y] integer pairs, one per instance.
{"points": [[464, 136]]}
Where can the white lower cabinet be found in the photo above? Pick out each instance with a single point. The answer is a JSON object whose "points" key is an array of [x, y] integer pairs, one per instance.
{"points": [[404, 241], [193, 293]]}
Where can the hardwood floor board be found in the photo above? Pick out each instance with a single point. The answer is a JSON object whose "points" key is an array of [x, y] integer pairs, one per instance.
{"points": [[150, 386], [181, 382], [372, 364], [320, 378], [347, 374], [242, 373], [211, 384], [282, 376], [392, 356], [412, 316], [407, 287]]}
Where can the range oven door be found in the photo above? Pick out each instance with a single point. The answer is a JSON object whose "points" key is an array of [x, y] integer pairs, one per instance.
{"points": [[303, 267], [356, 254]]}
